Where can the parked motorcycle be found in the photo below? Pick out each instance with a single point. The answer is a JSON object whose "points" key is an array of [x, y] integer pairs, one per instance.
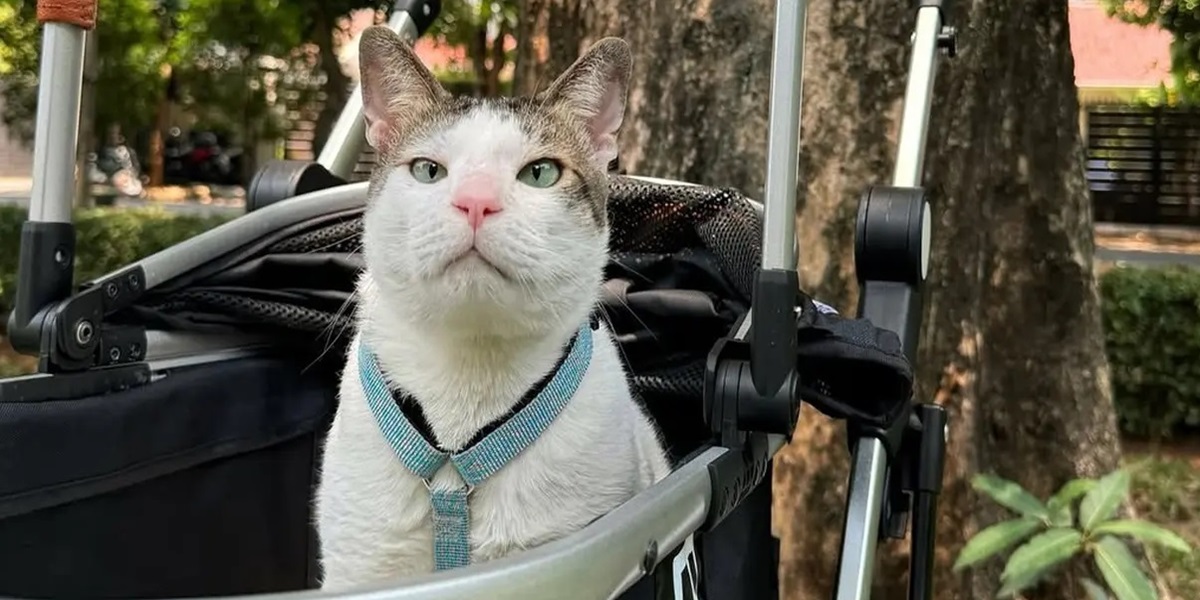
{"points": [[116, 165]]}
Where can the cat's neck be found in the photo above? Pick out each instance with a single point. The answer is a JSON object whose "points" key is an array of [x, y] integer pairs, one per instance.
{"points": [[462, 380]]}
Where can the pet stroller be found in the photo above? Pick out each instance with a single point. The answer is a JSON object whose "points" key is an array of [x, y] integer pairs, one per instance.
{"points": [[170, 443]]}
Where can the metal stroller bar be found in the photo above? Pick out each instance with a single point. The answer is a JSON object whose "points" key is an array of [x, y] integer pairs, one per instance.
{"points": [[891, 299], [342, 149], [783, 141], [45, 269]]}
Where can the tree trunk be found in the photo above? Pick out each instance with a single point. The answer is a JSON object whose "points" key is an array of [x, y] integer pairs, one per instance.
{"points": [[531, 35], [697, 100], [497, 59], [1012, 342]]}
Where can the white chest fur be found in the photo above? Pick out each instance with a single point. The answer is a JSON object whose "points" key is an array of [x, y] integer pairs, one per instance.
{"points": [[373, 515]]}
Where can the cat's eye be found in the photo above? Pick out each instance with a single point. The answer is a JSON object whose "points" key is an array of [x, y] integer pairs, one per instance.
{"points": [[541, 173], [426, 171]]}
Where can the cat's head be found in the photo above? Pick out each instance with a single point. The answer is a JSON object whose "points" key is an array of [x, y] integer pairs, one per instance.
{"points": [[489, 213]]}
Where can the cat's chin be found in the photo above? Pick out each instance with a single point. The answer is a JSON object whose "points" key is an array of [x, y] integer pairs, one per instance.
{"points": [[473, 263]]}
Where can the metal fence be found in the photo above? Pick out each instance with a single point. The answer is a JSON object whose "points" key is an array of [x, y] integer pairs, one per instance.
{"points": [[1143, 164]]}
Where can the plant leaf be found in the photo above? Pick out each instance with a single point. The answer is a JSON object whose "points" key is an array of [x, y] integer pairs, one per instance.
{"points": [[1010, 495], [1121, 571], [1039, 554], [1144, 532], [1061, 516], [1102, 501], [1094, 590], [1016, 585], [1070, 492], [995, 539]]}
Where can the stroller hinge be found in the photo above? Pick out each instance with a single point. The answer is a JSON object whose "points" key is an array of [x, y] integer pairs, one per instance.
{"points": [[45, 270], [74, 335]]}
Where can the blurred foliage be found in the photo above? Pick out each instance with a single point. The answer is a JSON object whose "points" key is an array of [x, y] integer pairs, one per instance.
{"points": [[224, 62], [1182, 19], [482, 28], [106, 239], [1152, 336]]}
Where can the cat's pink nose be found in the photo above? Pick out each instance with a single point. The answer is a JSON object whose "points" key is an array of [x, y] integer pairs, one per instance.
{"points": [[477, 200], [477, 207]]}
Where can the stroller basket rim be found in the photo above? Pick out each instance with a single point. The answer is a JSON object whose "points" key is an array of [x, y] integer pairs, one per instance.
{"points": [[190, 254]]}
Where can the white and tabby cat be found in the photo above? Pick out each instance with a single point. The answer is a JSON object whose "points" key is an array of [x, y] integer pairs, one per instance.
{"points": [[485, 240]]}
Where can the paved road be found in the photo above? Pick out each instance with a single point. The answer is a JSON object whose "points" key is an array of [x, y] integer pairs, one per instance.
{"points": [[1148, 258]]}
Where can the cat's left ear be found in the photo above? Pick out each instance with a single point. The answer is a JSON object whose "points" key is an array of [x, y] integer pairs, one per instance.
{"points": [[594, 88], [396, 86]]}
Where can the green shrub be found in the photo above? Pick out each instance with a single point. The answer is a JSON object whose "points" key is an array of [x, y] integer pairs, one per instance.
{"points": [[1152, 336], [106, 239]]}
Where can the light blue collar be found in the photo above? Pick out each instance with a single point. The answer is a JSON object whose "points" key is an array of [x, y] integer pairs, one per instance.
{"points": [[474, 464]]}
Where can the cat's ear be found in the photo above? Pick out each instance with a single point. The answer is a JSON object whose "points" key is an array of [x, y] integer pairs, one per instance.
{"points": [[396, 86], [594, 88]]}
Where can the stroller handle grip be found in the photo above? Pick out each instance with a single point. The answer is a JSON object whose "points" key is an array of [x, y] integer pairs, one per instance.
{"points": [[80, 13]]}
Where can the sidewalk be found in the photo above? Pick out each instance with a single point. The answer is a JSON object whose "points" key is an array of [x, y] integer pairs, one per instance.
{"points": [[15, 187]]}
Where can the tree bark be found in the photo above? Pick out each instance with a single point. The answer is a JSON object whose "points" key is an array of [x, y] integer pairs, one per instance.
{"points": [[531, 34], [697, 107]]}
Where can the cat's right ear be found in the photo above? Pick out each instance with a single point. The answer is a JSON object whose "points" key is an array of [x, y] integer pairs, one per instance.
{"points": [[396, 86]]}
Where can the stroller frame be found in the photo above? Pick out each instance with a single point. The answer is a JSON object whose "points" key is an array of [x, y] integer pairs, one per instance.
{"points": [[751, 398]]}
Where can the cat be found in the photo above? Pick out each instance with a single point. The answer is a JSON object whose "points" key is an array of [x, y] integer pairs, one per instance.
{"points": [[485, 239]]}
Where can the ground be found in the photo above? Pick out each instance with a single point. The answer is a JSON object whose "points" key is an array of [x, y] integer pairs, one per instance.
{"points": [[1166, 491]]}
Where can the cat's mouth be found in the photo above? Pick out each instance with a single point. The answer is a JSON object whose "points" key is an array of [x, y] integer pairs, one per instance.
{"points": [[473, 256]]}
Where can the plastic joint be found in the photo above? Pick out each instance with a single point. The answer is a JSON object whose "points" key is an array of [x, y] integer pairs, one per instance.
{"points": [[740, 417], [890, 251], [45, 270], [282, 179]]}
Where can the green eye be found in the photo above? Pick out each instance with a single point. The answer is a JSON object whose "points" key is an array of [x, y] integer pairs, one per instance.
{"points": [[426, 171], [541, 173]]}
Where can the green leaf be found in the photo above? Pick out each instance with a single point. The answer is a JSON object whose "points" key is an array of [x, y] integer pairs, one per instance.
{"points": [[1044, 551], [1060, 503], [1071, 491], [1145, 532], [1094, 590], [1121, 571], [1016, 585], [1102, 501], [1010, 495], [995, 539]]}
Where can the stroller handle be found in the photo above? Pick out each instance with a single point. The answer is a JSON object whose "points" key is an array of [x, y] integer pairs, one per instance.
{"points": [[80, 13], [783, 139], [340, 154]]}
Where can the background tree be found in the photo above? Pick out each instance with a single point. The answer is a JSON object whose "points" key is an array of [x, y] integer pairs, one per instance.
{"points": [[1012, 342], [697, 102], [484, 28]]}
